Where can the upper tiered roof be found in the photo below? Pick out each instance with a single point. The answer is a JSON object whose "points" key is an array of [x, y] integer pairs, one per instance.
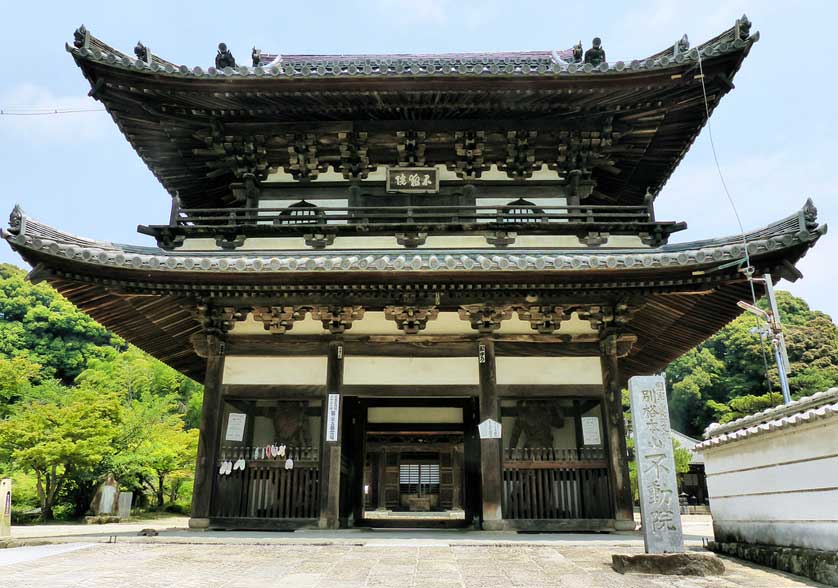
{"points": [[623, 124]]}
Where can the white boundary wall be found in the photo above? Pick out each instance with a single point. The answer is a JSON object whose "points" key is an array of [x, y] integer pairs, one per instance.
{"points": [[774, 480]]}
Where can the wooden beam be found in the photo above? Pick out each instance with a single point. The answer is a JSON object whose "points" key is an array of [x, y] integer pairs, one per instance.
{"points": [[412, 345], [269, 391]]}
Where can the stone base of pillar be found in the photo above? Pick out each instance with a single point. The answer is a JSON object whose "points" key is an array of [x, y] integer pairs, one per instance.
{"points": [[325, 523], [621, 525], [196, 524], [498, 525]]}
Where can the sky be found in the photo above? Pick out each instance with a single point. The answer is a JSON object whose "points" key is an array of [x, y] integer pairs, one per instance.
{"points": [[774, 134]]}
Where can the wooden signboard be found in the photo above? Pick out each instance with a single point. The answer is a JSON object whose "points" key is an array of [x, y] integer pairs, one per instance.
{"points": [[413, 180]]}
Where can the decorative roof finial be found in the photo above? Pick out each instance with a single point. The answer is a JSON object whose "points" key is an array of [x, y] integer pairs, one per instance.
{"points": [[256, 56], [683, 45], [743, 28], [141, 51], [224, 58], [16, 220], [596, 54], [577, 52], [80, 37]]}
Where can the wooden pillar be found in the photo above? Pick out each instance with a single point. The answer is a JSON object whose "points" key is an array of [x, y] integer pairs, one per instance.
{"points": [[330, 453], [380, 477], [490, 449], [209, 434], [457, 477], [616, 433]]}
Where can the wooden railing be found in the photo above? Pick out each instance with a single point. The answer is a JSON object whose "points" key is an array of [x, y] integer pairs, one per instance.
{"points": [[232, 224], [265, 489], [556, 484]]}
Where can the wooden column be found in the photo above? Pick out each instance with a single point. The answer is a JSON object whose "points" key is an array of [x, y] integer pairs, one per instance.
{"points": [[491, 472], [330, 453], [457, 477], [380, 477], [211, 347], [616, 433]]}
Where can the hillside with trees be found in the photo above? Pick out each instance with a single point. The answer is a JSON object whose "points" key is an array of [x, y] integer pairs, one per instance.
{"points": [[724, 378]]}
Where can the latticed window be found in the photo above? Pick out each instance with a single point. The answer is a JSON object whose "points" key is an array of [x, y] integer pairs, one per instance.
{"points": [[301, 213], [419, 478], [521, 211]]}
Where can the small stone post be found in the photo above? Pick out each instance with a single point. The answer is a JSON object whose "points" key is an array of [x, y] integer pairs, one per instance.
{"points": [[659, 505], [5, 507]]}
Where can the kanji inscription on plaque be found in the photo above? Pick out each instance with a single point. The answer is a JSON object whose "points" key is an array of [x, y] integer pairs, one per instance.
{"points": [[659, 505], [415, 180]]}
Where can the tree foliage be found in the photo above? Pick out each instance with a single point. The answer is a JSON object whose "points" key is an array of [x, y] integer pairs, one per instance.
{"points": [[77, 403], [40, 325], [724, 377]]}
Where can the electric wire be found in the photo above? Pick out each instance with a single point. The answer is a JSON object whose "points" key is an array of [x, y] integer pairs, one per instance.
{"points": [[749, 269], [46, 111]]}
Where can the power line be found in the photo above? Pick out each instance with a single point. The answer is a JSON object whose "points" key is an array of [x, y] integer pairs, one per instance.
{"points": [[46, 111], [749, 269]]}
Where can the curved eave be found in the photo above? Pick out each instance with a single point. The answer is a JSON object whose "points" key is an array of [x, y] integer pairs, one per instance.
{"points": [[146, 295], [158, 106], [791, 236]]}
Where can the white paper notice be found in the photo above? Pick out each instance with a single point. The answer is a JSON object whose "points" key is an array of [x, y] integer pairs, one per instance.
{"points": [[489, 429], [590, 431], [235, 426], [332, 414]]}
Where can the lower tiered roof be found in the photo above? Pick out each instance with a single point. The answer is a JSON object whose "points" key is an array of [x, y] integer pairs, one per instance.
{"points": [[679, 294]]}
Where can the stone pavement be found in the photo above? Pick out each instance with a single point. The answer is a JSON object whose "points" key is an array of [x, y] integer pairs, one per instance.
{"points": [[384, 564]]}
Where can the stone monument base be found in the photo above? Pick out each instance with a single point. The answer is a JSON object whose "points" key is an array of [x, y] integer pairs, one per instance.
{"points": [[101, 519], [669, 564]]}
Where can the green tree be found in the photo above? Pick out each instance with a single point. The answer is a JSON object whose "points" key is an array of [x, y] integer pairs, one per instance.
{"points": [[59, 438], [724, 377], [37, 323]]}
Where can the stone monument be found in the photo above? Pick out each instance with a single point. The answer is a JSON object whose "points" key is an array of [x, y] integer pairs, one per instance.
{"points": [[659, 506], [105, 502], [5, 507]]}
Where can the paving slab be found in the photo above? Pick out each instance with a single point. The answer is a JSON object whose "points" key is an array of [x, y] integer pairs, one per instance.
{"points": [[114, 565]]}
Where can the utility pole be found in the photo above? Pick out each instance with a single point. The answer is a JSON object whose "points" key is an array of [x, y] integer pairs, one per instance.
{"points": [[773, 329]]}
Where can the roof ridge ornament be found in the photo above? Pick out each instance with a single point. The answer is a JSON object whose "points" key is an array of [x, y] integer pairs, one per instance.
{"points": [[224, 58], [743, 28], [16, 220], [142, 52], [81, 37], [596, 54]]}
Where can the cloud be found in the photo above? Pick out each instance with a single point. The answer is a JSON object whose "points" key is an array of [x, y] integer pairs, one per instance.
{"points": [[52, 128]]}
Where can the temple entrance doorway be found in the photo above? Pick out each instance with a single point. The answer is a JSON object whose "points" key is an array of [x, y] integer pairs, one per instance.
{"points": [[410, 463]]}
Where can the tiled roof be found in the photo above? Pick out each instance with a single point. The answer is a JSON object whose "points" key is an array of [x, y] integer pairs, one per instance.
{"points": [[819, 406], [529, 63], [798, 228]]}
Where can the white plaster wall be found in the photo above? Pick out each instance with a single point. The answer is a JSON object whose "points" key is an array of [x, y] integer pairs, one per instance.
{"points": [[433, 242], [414, 371], [777, 488], [288, 371], [548, 370]]}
